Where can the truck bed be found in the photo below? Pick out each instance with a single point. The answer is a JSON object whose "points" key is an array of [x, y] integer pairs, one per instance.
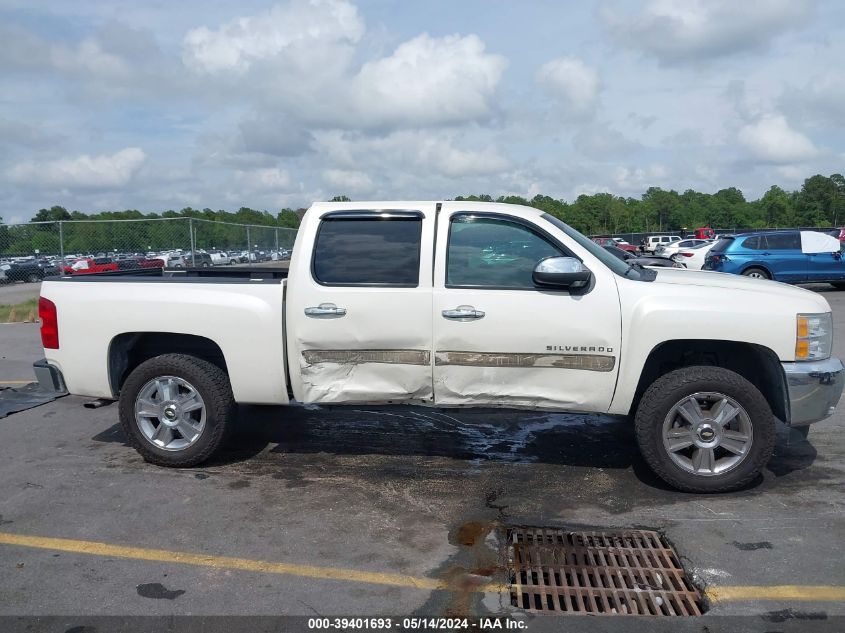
{"points": [[239, 312]]}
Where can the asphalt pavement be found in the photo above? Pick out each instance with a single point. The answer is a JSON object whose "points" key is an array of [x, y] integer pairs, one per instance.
{"points": [[366, 511], [18, 292]]}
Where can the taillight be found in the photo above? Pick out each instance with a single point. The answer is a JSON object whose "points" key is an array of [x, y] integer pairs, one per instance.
{"points": [[685, 254], [49, 323]]}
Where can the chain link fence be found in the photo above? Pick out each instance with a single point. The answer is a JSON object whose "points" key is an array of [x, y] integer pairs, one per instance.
{"points": [[190, 237]]}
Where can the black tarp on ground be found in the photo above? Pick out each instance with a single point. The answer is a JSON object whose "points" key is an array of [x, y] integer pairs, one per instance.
{"points": [[17, 399]]}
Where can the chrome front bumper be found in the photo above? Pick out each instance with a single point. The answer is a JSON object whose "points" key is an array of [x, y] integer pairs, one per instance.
{"points": [[49, 377], [814, 389]]}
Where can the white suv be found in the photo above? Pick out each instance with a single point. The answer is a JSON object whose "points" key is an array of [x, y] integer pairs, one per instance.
{"points": [[651, 242]]}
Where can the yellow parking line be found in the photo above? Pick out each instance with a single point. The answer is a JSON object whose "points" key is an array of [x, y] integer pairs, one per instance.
{"points": [[16, 382], [811, 593], [219, 562], [815, 593]]}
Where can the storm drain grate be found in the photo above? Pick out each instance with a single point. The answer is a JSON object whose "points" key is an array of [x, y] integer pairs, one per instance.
{"points": [[632, 572]]}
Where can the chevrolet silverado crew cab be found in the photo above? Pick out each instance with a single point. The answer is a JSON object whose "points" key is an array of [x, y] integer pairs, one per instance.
{"points": [[452, 304]]}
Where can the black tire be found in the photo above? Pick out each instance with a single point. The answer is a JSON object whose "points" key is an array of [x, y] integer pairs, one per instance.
{"points": [[670, 389], [33, 278], [803, 431], [210, 381], [756, 272]]}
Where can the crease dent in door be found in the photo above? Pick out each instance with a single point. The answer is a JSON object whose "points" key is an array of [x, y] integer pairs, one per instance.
{"points": [[586, 362], [392, 375], [460, 389]]}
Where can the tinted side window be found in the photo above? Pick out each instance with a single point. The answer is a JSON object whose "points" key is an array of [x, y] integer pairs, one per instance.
{"points": [[783, 241], [753, 243], [494, 253], [368, 251]]}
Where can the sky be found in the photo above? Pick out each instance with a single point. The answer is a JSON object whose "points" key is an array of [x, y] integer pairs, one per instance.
{"points": [[158, 105]]}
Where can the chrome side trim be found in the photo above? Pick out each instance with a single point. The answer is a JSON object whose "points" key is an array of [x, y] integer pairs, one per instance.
{"points": [[361, 356], [814, 389], [586, 362]]}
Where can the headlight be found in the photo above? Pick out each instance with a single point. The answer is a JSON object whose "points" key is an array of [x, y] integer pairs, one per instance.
{"points": [[813, 336]]}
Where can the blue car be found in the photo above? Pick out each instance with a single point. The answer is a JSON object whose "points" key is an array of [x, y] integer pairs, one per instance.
{"points": [[775, 255]]}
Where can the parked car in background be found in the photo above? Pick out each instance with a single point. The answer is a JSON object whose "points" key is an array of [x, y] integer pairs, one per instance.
{"points": [[89, 265], [643, 260], [693, 257], [172, 260], [651, 242], [199, 260], [667, 250], [3, 277], [32, 270], [617, 243], [839, 234], [222, 258], [789, 256], [704, 233], [133, 262]]}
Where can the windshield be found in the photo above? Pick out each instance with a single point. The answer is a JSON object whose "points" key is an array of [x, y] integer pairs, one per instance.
{"points": [[611, 261]]}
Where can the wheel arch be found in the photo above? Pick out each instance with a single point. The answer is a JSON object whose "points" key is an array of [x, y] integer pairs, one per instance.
{"points": [[756, 363], [762, 267], [130, 349]]}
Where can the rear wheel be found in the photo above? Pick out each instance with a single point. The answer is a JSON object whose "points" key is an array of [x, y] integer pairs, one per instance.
{"points": [[33, 278], [176, 410], [756, 273], [705, 429]]}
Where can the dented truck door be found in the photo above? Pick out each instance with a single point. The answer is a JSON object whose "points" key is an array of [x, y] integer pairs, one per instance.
{"points": [[501, 341], [359, 305]]}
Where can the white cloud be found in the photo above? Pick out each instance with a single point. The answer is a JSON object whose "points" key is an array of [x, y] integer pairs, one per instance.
{"points": [[570, 79], [437, 152], [348, 181], [682, 30], [84, 172], [264, 178], [772, 139], [637, 179], [285, 32], [428, 80]]}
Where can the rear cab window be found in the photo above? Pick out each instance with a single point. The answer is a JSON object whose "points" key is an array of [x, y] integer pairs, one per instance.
{"points": [[368, 248]]}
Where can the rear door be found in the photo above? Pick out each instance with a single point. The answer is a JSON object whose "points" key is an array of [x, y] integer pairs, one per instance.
{"points": [[501, 341], [783, 255], [359, 305]]}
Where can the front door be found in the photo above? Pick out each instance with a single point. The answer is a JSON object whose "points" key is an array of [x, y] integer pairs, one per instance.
{"points": [[359, 306], [501, 341]]}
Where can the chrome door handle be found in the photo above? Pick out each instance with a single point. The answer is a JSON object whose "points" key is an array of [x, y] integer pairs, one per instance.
{"points": [[463, 313], [325, 310]]}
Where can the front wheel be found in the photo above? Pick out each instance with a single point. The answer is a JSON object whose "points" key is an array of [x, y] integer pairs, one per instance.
{"points": [[705, 429], [176, 410]]}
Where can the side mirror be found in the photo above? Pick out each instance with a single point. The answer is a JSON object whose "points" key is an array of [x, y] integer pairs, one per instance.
{"points": [[561, 272]]}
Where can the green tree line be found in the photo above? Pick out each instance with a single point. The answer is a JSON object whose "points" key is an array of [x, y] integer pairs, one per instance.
{"points": [[820, 202]]}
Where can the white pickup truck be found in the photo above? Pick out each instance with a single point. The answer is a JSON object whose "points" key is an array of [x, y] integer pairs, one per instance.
{"points": [[452, 304]]}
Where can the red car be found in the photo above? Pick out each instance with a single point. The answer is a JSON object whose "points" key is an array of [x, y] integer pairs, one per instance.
{"points": [[88, 265], [838, 234], [610, 241], [704, 233]]}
